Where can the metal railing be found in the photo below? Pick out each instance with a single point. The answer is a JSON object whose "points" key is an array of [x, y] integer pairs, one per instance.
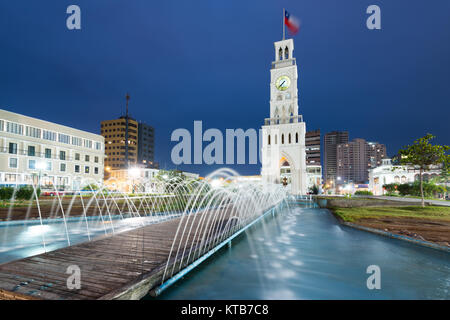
{"points": [[285, 120]]}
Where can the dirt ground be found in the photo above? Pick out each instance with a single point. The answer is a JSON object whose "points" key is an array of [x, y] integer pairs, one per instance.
{"points": [[430, 230]]}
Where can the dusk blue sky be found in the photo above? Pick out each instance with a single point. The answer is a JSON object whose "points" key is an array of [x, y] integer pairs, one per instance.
{"points": [[209, 60]]}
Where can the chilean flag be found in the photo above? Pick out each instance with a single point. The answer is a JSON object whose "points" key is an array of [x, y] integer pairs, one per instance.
{"points": [[291, 22]]}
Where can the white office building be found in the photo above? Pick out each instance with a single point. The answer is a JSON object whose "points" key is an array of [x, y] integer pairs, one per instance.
{"points": [[387, 173], [39, 152]]}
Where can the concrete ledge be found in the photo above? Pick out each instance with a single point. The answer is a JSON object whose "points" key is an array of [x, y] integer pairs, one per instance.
{"points": [[397, 236]]}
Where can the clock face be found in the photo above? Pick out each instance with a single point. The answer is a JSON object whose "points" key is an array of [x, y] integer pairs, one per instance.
{"points": [[283, 83]]}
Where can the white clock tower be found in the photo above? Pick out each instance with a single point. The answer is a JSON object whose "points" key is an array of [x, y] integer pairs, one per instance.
{"points": [[283, 148]]}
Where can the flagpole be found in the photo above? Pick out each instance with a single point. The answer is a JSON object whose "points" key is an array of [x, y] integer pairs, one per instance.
{"points": [[284, 14]]}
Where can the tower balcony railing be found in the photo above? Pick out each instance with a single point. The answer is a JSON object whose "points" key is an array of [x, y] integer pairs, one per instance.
{"points": [[284, 120], [283, 63]]}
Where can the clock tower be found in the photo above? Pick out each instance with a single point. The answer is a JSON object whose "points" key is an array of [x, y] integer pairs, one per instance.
{"points": [[283, 148]]}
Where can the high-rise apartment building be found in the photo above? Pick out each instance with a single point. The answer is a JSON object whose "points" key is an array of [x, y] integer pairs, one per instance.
{"points": [[355, 158], [312, 143], [114, 132], [146, 145], [330, 142], [313, 165], [375, 153]]}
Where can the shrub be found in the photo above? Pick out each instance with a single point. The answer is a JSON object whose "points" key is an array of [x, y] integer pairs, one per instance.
{"points": [[314, 190], [391, 187], [22, 193], [413, 189], [6, 193], [363, 193], [405, 189]]}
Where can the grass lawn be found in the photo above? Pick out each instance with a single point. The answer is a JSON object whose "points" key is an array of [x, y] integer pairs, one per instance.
{"points": [[429, 212]]}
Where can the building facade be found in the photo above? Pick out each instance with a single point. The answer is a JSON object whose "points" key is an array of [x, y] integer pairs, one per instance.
{"points": [[330, 142], [146, 145], [388, 173], [114, 132], [355, 158], [34, 151], [283, 134], [313, 160]]}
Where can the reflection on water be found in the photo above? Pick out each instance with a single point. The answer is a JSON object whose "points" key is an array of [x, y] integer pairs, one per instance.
{"points": [[20, 240], [307, 254]]}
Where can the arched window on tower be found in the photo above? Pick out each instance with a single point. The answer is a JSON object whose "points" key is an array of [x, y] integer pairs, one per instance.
{"points": [[296, 137], [276, 139], [286, 53], [289, 138], [282, 139], [268, 140], [280, 54]]}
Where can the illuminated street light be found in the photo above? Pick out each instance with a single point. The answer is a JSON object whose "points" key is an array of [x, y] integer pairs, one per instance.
{"points": [[134, 172]]}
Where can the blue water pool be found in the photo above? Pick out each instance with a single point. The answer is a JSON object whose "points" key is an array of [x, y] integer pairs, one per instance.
{"points": [[307, 254], [21, 239]]}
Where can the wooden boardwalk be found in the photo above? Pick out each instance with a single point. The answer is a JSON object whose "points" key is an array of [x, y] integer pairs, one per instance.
{"points": [[123, 266]]}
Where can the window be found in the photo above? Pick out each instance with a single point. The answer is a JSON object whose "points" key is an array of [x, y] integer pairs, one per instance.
{"points": [[76, 141], [48, 153], [31, 151], [13, 148], [86, 158], [33, 132], [49, 135], [98, 146], [86, 169], [88, 144], [296, 137], [96, 170], [286, 53], [13, 163], [48, 166], [96, 159], [12, 127], [282, 139], [77, 156], [63, 138], [280, 54], [289, 137], [77, 168], [10, 177], [62, 155], [32, 164], [62, 167], [268, 140]]}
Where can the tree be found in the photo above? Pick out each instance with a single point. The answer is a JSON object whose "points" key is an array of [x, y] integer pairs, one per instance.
{"points": [[423, 155], [314, 189]]}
